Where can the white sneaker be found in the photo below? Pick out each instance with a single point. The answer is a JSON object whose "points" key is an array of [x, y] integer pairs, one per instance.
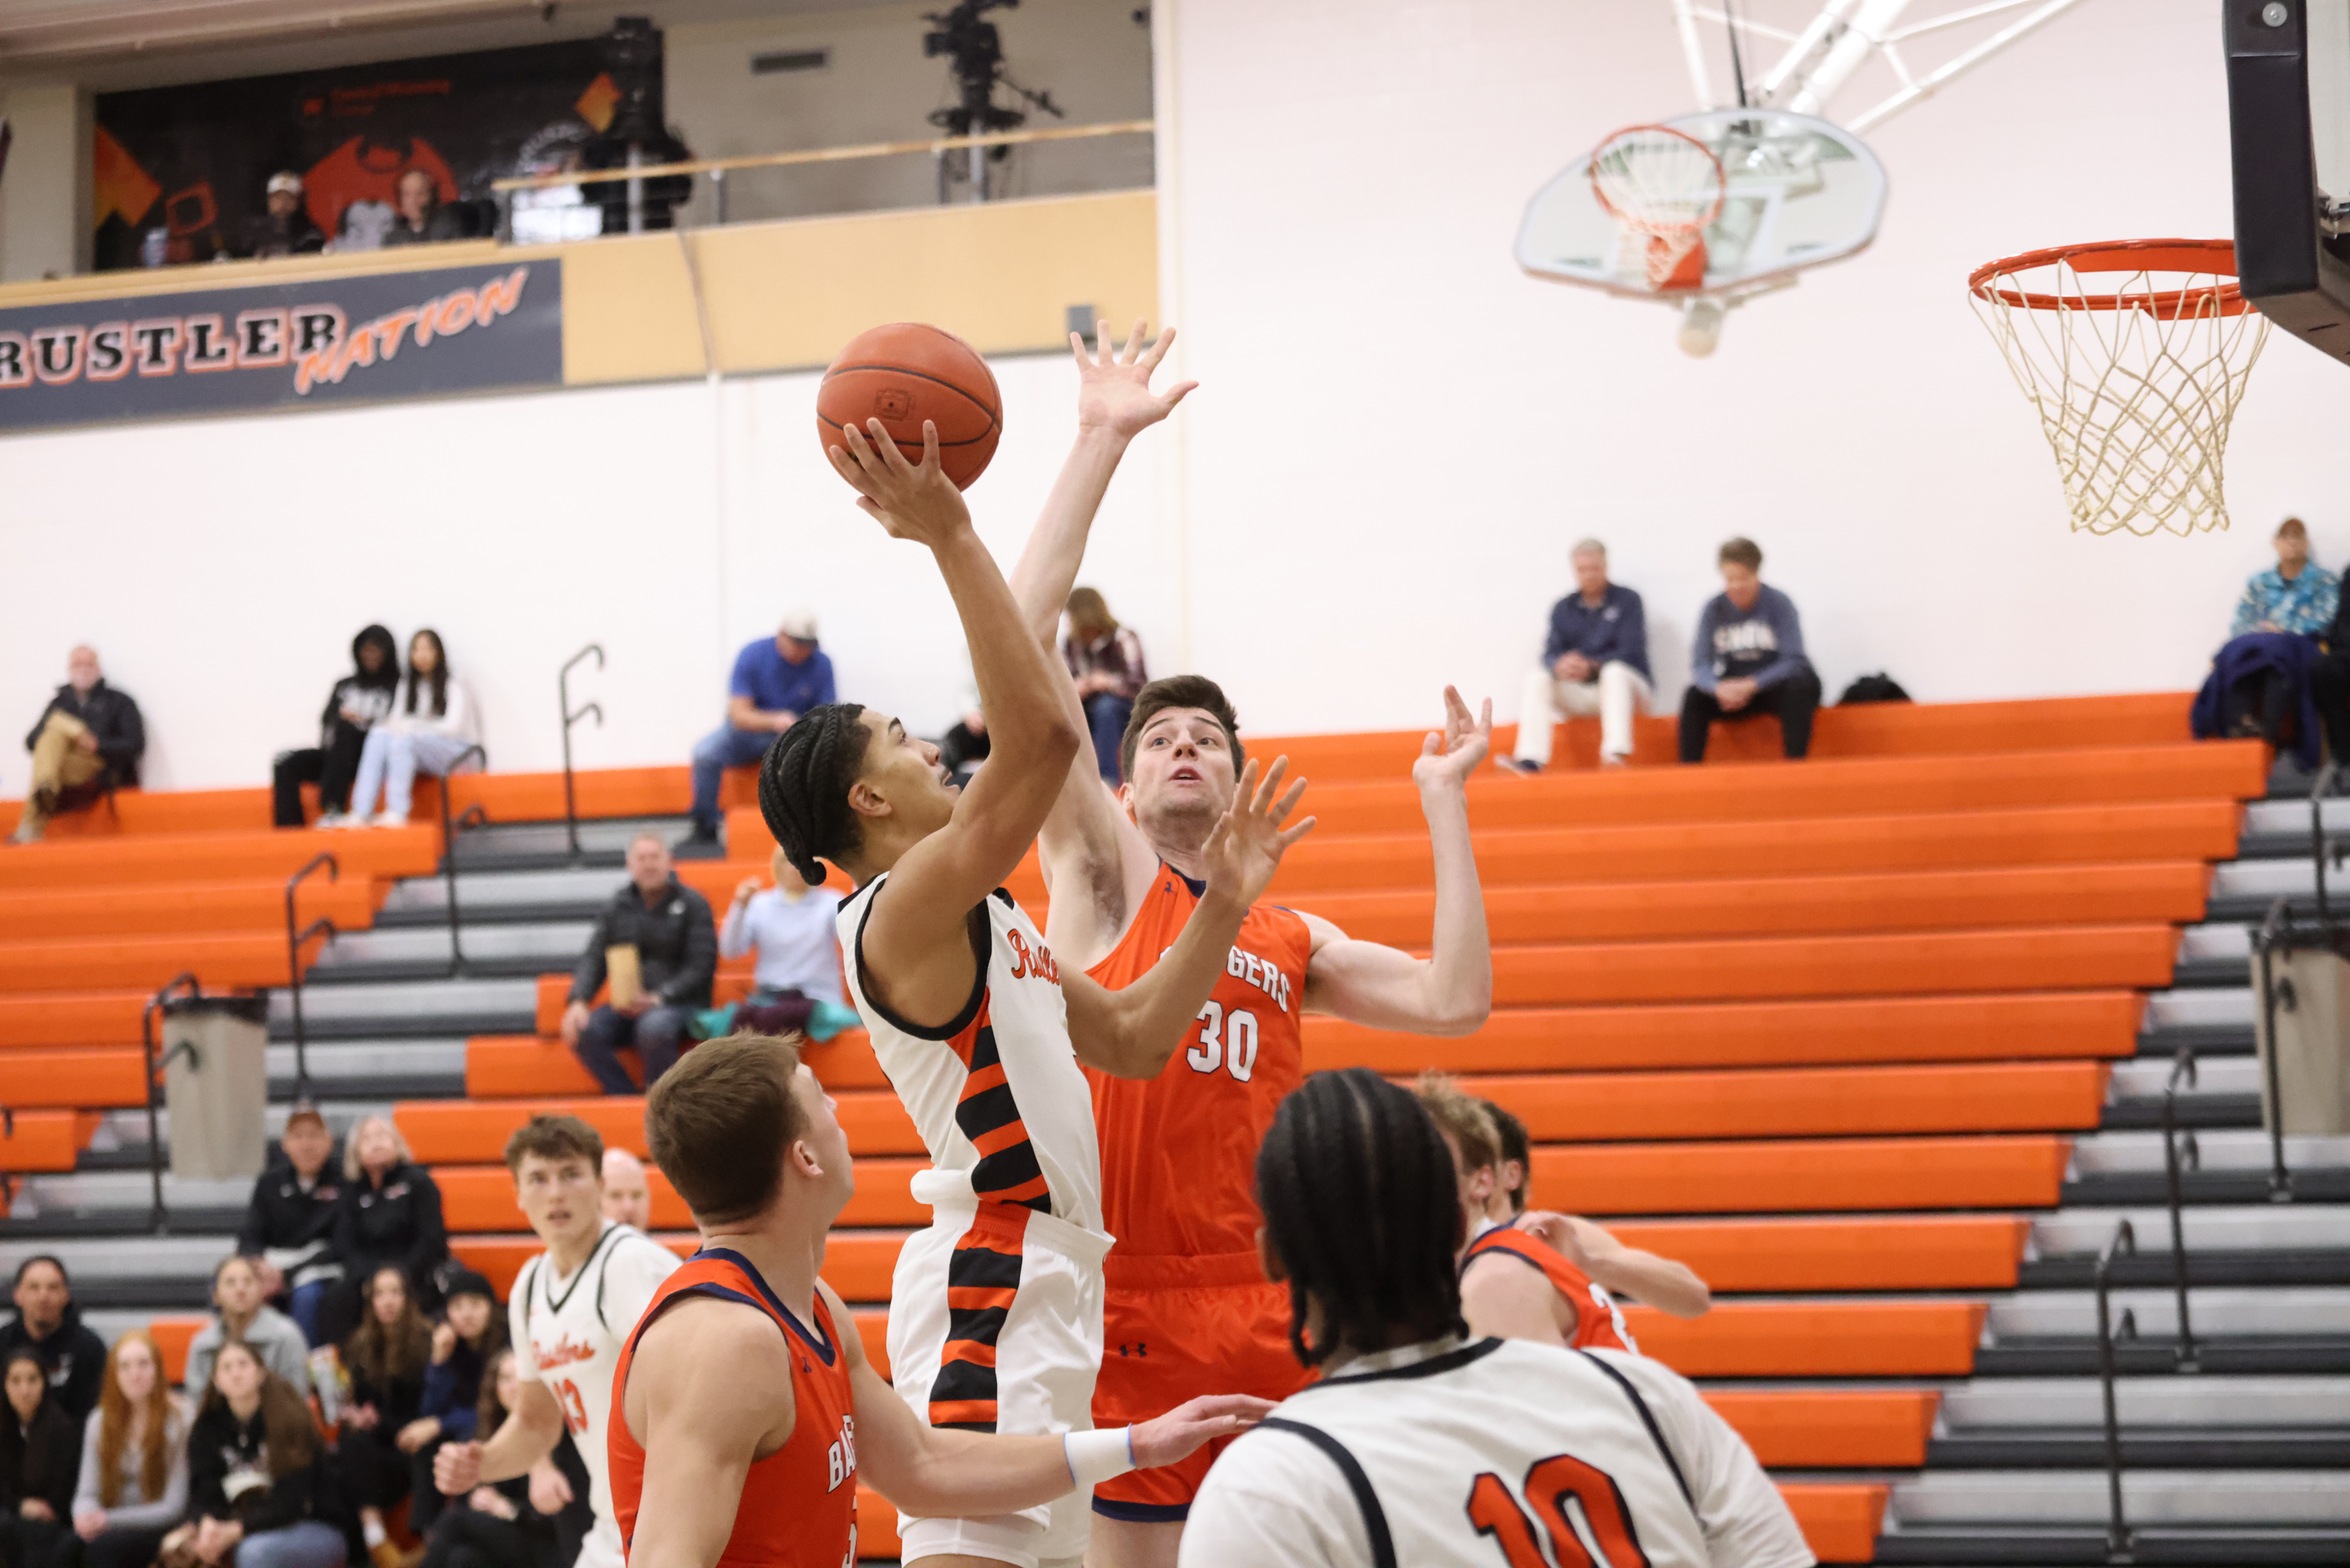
{"points": [[388, 819], [332, 819]]}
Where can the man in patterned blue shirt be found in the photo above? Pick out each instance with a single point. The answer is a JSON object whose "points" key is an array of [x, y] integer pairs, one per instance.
{"points": [[2292, 596]]}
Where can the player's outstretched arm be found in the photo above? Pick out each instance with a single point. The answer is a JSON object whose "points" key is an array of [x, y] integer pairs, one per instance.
{"points": [[1653, 1281], [1095, 861], [709, 1382], [1450, 992], [1131, 1033], [944, 1473], [527, 1435], [1030, 711], [1505, 1297]]}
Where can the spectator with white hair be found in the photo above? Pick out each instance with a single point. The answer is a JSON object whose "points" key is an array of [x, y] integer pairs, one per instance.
{"points": [[775, 680], [1594, 661], [86, 744], [628, 1199], [390, 1217]]}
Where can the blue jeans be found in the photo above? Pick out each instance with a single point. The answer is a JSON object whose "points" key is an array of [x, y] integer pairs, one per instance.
{"points": [[654, 1033], [1106, 714], [724, 747], [313, 1543], [303, 1304]]}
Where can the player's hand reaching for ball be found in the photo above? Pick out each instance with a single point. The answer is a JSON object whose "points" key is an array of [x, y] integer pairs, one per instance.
{"points": [[1170, 1437], [1448, 756], [913, 501], [1114, 384], [1245, 847]]}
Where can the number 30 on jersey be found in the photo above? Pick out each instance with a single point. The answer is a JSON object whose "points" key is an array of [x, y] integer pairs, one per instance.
{"points": [[1227, 1040]]}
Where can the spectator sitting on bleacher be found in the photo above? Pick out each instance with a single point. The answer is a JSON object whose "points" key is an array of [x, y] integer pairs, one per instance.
{"points": [[40, 1458], [471, 1332], [284, 228], [965, 744], [50, 1325], [494, 1526], [775, 680], [1748, 659], [240, 1314], [796, 983], [1105, 660], [86, 744], [2265, 681], [667, 927], [390, 1216], [289, 1224], [386, 1357], [418, 218], [261, 1484], [432, 725], [133, 1483], [628, 1199], [1595, 660], [359, 702]]}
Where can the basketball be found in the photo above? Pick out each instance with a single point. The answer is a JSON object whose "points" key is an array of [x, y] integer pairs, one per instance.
{"points": [[905, 373]]}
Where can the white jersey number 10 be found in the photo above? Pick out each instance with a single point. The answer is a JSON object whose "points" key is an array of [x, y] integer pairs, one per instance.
{"points": [[1549, 1483]]}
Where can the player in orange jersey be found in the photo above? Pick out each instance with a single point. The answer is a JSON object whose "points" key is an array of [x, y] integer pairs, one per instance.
{"points": [[1518, 1284], [1188, 1308], [746, 1411]]}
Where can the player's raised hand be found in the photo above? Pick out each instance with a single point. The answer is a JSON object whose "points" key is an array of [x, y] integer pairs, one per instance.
{"points": [[1172, 1436], [1247, 843], [1114, 384], [1448, 756], [912, 500]]}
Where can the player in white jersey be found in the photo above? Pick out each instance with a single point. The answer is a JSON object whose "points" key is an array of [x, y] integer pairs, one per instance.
{"points": [[572, 1308], [996, 1308], [1422, 1446]]}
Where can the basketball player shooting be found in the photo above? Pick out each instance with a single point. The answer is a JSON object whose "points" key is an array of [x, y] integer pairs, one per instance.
{"points": [[746, 1409], [1188, 1312], [995, 1308]]}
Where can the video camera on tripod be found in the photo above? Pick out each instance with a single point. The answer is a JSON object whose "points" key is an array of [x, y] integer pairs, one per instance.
{"points": [[974, 52]]}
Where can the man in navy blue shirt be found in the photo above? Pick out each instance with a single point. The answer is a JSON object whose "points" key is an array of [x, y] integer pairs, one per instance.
{"points": [[775, 681], [1595, 661], [1748, 659]]}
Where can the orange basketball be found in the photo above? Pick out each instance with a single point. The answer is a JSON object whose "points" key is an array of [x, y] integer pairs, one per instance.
{"points": [[905, 373]]}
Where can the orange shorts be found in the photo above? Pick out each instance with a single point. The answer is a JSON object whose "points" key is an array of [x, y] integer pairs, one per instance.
{"points": [[1163, 1343]]}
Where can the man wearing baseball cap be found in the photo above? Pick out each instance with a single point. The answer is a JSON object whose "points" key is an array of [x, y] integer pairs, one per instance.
{"points": [[290, 1222], [775, 681], [284, 229]]}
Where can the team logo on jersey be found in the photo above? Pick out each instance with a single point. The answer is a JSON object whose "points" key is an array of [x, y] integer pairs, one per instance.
{"points": [[1037, 961], [562, 1353]]}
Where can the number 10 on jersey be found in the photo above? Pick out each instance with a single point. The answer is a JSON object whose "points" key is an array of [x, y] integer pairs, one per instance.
{"points": [[1549, 1483], [1226, 1040]]}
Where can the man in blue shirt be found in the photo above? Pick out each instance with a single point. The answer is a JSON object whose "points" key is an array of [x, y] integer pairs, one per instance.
{"points": [[775, 681], [1748, 659], [1595, 661]]}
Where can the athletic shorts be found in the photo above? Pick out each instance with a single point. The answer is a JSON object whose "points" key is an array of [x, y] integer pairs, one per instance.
{"points": [[995, 1325], [1174, 1329]]}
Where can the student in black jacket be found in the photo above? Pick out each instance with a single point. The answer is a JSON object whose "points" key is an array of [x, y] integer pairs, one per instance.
{"points": [[496, 1526], [389, 1213], [670, 928], [289, 1224], [86, 743], [50, 1325], [358, 702], [40, 1460], [386, 1356], [261, 1486]]}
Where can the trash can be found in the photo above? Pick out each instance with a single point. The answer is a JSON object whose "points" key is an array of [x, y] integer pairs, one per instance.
{"points": [[2312, 1044], [216, 1084]]}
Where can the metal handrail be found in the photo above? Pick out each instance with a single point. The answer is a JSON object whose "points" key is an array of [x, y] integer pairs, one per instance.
{"points": [[2182, 1073], [294, 941], [2118, 1541], [786, 160], [158, 1220], [2318, 791], [2274, 993], [571, 717], [449, 828]]}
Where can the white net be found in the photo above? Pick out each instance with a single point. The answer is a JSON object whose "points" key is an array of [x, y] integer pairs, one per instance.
{"points": [[2135, 356], [1664, 187]]}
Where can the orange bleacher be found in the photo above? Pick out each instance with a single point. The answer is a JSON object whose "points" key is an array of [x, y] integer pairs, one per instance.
{"points": [[1821, 1030]]}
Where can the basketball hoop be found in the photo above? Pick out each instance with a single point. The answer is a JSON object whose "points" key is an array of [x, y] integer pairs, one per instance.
{"points": [[2135, 353], [1665, 187]]}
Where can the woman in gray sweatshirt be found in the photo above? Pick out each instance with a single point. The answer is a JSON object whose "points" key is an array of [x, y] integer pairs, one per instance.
{"points": [[134, 1484], [241, 1314]]}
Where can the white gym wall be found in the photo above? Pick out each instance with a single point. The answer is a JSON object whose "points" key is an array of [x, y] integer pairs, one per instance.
{"points": [[1398, 436]]}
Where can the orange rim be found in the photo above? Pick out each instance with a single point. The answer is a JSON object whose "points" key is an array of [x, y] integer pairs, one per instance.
{"points": [[1599, 191], [2211, 258]]}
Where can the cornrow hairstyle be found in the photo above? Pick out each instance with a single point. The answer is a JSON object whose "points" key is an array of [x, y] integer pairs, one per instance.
{"points": [[804, 784], [1362, 1208]]}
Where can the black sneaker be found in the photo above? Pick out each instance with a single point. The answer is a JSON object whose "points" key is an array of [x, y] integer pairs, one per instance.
{"points": [[703, 843], [1518, 765]]}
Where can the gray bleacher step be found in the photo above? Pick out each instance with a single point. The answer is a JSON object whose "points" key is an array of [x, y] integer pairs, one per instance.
{"points": [[2084, 1546], [2322, 1185], [172, 1271], [127, 1129], [2279, 829], [2006, 1448], [515, 949], [2215, 1019], [2249, 1227], [2300, 1310], [2213, 954], [2228, 1149], [114, 1201], [386, 1009], [524, 846], [2145, 1402], [2156, 1355], [2243, 890], [499, 896], [2278, 1266], [2150, 1498]]}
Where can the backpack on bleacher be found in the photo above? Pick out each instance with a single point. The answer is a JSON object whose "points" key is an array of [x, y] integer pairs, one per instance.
{"points": [[1879, 687]]}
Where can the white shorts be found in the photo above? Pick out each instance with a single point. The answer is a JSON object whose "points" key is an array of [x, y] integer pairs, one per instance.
{"points": [[995, 1325]]}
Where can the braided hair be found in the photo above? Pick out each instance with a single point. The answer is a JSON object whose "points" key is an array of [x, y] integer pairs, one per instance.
{"points": [[1363, 1210], [804, 784]]}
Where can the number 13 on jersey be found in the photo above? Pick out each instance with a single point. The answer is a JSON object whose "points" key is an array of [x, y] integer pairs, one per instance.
{"points": [[1227, 1040], [1549, 1483], [575, 1420]]}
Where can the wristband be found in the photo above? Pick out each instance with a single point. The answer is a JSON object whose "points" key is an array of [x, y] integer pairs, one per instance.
{"points": [[1098, 1456]]}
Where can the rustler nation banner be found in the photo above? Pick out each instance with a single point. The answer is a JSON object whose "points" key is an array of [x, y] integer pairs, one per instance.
{"points": [[275, 346]]}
